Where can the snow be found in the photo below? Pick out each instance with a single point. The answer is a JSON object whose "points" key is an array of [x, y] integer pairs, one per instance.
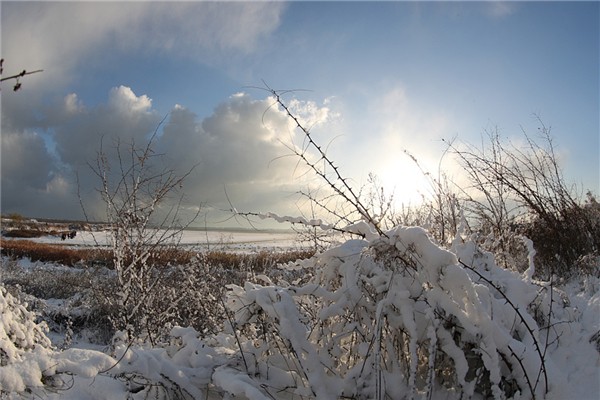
{"points": [[393, 315], [234, 240]]}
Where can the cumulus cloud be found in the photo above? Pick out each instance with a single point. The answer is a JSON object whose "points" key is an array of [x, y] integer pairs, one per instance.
{"points": [[123, 100], [25, 159], [78, 131], [47, 140], [239, 149], [72, 104]]}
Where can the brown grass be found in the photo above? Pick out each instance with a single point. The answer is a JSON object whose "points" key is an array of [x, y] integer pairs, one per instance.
{"points": [[52, 253], [25, 233], [258, 262], [70, 256]]}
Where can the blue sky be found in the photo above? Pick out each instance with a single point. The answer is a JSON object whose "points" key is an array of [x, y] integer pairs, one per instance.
{"points": [[379, 77]]}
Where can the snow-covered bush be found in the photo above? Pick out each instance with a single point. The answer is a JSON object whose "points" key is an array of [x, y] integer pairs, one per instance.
{"points": [[19, 331], [393, 314], [396, 316], [389, 316], [396, 313], [20, 336]]}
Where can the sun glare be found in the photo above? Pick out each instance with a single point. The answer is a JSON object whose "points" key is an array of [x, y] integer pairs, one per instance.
{"points": [[403, 178]]}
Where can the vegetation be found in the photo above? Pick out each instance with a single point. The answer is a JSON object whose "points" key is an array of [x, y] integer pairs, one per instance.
{"points": [[257, 262], [133, 192], [52, 253], [91, 278], [464, 305], [396, 304], [519, 190]]}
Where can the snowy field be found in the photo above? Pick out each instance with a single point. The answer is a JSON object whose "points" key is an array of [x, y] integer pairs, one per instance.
{"points": [[428, 323], [230, 240]]}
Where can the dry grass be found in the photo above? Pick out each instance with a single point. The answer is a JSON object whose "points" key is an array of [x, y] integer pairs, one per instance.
{"points": [[198, 280], [257, 262], [51, 253], [25, 233], [70, 256], [67, 255]]}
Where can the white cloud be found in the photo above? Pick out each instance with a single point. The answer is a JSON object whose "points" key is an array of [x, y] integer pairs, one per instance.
{"points": [[78, 132], [309, 113], [59, 36], [123, 99], [72, 104], [239, 148]]}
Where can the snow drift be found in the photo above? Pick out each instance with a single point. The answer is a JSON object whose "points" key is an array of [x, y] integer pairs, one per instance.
{"points": [[388, 316]]}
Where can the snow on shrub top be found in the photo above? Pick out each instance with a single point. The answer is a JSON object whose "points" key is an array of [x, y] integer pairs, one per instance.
{"points": [[19, 332], [393, 314], [20, 336]]}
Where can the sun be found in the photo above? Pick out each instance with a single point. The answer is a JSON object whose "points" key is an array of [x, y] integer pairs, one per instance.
{"points": [[401, 177]]}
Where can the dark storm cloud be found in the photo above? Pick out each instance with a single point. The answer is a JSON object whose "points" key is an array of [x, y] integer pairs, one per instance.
{"points": [[239, 149]]}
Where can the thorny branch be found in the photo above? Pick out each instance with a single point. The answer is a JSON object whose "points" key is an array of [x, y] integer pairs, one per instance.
{"points": [[21, 74]]}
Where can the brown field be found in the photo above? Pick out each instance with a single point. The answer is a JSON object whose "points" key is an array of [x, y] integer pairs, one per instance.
{"points": [[52, 253], [70, 256]]}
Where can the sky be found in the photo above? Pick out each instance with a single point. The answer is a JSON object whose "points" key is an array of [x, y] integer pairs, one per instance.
{"points": [[371, 79]]}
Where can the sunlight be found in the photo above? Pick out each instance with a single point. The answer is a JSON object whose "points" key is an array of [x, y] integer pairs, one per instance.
{"points": [[402, 177]]}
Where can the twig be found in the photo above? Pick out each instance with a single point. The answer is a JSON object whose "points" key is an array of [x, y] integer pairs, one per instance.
{"points": [[342, 188], [233, 329], [514, 307]]}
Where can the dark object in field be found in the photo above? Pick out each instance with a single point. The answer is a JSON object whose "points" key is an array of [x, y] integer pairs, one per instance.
{"points": [[69, 235]]}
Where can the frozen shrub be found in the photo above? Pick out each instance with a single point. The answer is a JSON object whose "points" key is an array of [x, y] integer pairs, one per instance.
{"points": [[392, 314], [519, 188], [19, 331], [567, 240], [143, 201], [396, 316], [20, 337]]}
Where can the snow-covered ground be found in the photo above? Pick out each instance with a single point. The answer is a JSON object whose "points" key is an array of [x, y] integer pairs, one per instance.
{"points": [[393, 317], [236, 240]]}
